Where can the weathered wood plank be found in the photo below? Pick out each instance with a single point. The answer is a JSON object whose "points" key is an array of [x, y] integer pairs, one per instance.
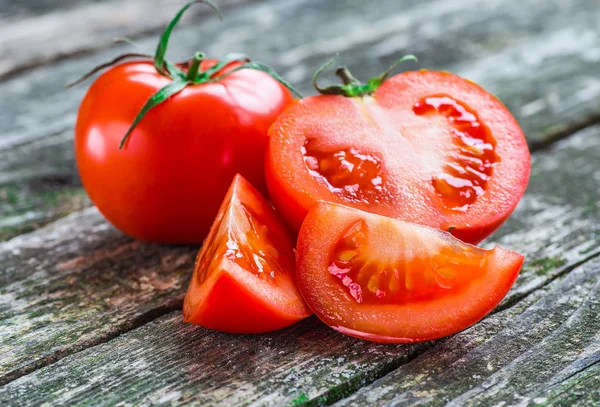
{"points": [[557, 227], [452, 39], [28, 207], [36, 32], [219, 369], [38, 185], [540, 57], [581, 387], [78, 282], [282, 368]]}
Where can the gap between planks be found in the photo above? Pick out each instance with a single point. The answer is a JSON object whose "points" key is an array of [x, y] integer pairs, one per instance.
{"points": [[561, 134], [170, 306]]}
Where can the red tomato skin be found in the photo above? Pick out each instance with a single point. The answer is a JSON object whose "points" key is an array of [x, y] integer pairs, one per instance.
{"points": [[230, 307], [294, 192], [417, 322], [168, 181]]}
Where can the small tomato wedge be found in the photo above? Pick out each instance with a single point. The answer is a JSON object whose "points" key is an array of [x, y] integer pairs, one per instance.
{"points": [[244, 278], [426, 147], [386, 280]]}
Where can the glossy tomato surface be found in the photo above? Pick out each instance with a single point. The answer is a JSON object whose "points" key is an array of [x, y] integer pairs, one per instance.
{"points": [[386, 280], [425, 147], [168, 181], [244, 279]]}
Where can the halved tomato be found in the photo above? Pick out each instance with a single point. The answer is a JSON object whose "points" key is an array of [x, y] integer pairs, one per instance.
{"points": [[425, 147], [244, 278], [385, 280]]}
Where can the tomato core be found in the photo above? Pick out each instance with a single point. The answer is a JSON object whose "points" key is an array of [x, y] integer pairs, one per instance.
{"points": [[412, 273], [472, 159]]}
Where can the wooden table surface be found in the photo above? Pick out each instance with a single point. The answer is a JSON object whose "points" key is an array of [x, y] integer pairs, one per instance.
{"points": [[90, 317]]}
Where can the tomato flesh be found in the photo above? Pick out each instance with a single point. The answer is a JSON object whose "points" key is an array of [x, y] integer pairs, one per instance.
{"points": [[244, 278], [410, 275], [426, 147], [469, 165], [386, 280], [349, 172]]}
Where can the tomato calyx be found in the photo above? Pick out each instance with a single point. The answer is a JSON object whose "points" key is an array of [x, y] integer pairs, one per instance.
{"points": [[352, 87], [182, 77]]}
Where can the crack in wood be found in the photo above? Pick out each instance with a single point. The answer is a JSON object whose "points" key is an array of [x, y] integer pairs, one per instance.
{"points": [[595, 361], [512, 301], [141, 320], [553, 137]]}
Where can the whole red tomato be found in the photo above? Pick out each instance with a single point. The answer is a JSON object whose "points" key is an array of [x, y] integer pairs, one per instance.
{"points": [[193, 129]]}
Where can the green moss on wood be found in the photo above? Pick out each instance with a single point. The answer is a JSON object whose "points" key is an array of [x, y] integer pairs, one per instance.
{"points": [[299, 400], [24, 208], [544, 264]]}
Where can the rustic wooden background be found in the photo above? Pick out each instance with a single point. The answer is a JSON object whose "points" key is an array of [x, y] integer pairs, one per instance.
{"points": [[90, 317]]}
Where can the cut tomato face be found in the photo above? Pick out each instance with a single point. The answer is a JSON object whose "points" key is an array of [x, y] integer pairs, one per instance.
{"points": [[425, 147], [385, 280], [244, 278]]}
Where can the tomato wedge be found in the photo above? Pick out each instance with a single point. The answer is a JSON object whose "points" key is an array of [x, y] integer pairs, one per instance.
{"points": [[385, 280], [425, 147], [244, 278]]}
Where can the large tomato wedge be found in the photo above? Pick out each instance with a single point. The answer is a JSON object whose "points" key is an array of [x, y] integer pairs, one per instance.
{"points": [[385, 280], [244, 279], [425, 147]]}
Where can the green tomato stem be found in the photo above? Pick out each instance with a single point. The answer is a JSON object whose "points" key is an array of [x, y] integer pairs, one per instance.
{"points": [[352, 87], [192, 73]]}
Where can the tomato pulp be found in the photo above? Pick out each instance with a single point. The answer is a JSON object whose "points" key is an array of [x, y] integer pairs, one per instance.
{"points": [[386, 280], [244, 279], [425, 147]]}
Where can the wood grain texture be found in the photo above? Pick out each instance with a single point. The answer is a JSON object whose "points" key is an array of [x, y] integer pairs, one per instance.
{"points": [[35, 32], [580, 387], [78, 282], [540, 57], [199, 367], [167, 362]]}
